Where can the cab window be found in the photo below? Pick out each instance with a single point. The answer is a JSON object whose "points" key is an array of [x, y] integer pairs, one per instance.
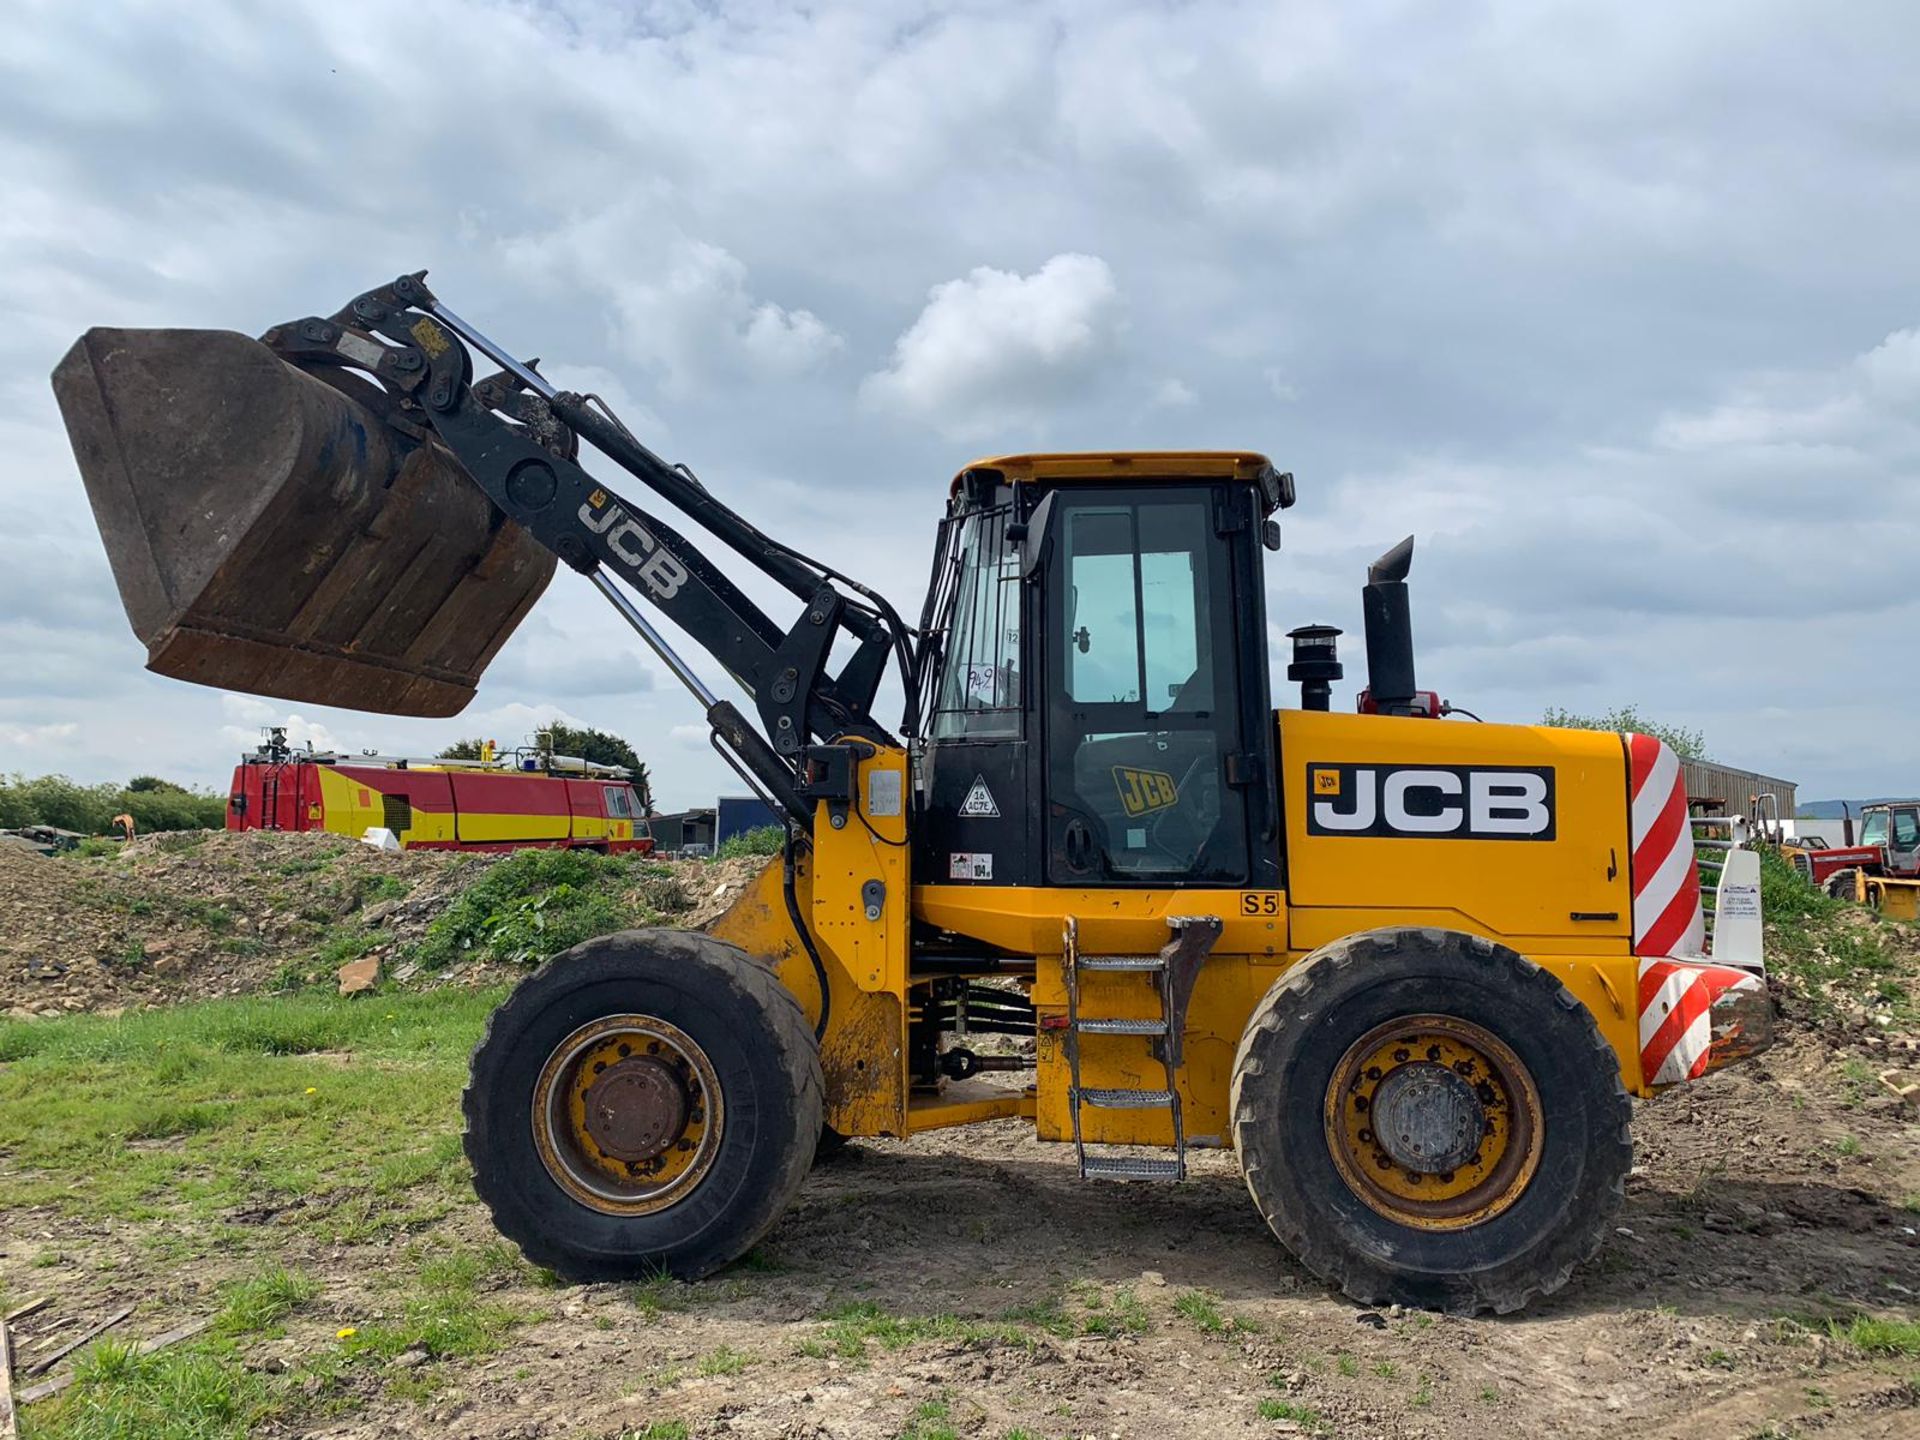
{"points": [[1906, 829], [617, 805], [1873, 829], [979, 694]]}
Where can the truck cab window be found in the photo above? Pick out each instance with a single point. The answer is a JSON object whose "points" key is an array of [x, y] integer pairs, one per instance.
{"points": [[1873, 829]]}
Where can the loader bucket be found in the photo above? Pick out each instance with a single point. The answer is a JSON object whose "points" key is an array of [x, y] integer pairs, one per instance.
{"points": [[270, 533]]}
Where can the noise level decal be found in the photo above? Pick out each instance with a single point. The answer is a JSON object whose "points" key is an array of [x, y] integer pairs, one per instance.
{"points": [[979, 802]]}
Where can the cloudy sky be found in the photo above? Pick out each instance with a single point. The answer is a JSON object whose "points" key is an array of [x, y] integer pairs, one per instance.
{"points": [[1616, 307]]}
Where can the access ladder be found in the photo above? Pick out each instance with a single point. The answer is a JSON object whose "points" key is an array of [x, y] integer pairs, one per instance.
{"points": [[1174, 969]]}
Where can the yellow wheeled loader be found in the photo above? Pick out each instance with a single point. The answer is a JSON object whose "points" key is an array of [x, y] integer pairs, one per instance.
{"points": [[1409, 968]]}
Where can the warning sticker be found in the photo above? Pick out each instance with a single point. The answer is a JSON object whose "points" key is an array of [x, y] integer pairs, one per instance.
{"points": [[964, 866], [1741, 900], [979, 802]]}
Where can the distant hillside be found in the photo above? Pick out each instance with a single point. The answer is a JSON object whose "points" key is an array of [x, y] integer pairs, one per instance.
{"points": [[1831, 809]]}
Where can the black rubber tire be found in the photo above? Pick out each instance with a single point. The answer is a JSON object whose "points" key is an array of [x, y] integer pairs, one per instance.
{"points": [[1296, 1038], [762, 1050], [1841, 885]]}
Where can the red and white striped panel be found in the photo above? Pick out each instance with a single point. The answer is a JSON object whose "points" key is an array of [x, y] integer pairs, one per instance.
{"points": [[1667, 917], [1676, 1024], [1677, 989]]}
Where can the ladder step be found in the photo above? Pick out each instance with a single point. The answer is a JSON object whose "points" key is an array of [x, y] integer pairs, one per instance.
{"points": [[1123, 1027], [1127, 1099], [1128, 1167], [1122, 962]]}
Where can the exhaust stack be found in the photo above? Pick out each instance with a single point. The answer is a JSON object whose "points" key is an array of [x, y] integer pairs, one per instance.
{"points": [[1389, 625]]}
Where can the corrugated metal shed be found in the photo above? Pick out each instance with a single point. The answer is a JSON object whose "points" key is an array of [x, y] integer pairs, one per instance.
{"points": [[1725, 789]]}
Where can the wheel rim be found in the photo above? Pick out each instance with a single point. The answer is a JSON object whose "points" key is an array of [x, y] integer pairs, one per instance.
{"points": [[628, 1114], [1434, 1122]]}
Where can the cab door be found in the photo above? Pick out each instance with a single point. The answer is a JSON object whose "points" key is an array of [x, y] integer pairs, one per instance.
{"points": [[1147, 681], [1903, 841]]}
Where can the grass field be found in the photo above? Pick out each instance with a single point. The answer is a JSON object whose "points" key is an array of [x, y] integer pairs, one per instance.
{"points": [[193, 1128], [288, 1166]]}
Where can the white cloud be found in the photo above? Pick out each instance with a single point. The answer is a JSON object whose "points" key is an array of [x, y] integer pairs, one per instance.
{"points": [[681, 305], [29, 737], [991, 352], [250, 715], [1892, 368], [1620, 320], [1174, 394]]}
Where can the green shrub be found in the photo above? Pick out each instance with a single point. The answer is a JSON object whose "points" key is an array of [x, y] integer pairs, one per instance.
{"points": [[15, 809], [154, 804], [532, 905], [761, 840], [1786, 895], [56, 800], [1825, 949]]}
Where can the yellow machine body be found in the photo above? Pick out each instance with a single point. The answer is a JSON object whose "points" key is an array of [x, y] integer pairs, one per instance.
{"points": [[1524, 896]]}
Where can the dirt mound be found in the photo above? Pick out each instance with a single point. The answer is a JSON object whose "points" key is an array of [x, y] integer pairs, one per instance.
{"points": [[196, 914]]}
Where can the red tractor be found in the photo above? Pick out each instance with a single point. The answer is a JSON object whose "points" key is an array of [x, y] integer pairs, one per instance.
{"points": [[1889, 849]]}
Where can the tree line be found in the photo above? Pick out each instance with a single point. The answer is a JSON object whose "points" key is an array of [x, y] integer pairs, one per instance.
{"points": [[154, 804]]}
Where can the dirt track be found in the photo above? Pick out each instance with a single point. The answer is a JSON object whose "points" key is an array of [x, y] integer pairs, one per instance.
{"points": [[1741, 1227]]}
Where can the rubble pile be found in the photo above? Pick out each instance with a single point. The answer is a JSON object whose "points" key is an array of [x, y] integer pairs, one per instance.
{"points": [[196, 914]]}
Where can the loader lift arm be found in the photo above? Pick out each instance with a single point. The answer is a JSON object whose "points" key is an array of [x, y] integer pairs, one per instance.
{"points": [[527, 465]]}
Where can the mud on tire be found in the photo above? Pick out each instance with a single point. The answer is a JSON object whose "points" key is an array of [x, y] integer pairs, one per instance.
{"points": [[1297, 1040], [763, 1057]]}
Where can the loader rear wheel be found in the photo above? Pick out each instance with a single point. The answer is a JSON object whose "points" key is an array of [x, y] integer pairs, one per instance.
{"points": [[1425, 1117], [644, 1102]]}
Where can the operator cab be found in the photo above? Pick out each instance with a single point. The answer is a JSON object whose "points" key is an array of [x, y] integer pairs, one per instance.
{"points": [[1897, 828], [1098, 701]]}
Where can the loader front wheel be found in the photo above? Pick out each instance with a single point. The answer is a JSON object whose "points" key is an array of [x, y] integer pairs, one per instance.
{"points": [[1425, 1117], [644, 1102]]}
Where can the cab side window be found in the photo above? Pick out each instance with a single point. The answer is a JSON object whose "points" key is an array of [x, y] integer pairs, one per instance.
{"points": [[617, 805], [1873, 830], [1906, 829]]}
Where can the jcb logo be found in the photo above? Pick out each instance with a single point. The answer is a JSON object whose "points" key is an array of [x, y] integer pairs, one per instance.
{"points": [[1432, 802], [631, 541], [1144, 791]]}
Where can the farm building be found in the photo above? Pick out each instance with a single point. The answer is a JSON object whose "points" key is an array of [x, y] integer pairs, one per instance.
{"points": [[1716, 789]]}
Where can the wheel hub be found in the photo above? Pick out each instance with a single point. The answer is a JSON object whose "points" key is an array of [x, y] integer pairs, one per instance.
{"points": [[628, 1114], [1433, 1122], [1428, 1118], [636, 1108]]}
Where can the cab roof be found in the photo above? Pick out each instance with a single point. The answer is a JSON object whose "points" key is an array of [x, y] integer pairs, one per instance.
{"points": [[1096, 467]]}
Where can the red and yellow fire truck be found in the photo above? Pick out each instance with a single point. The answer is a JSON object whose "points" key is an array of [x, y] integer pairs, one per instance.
{"points": [[530, 799]]}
